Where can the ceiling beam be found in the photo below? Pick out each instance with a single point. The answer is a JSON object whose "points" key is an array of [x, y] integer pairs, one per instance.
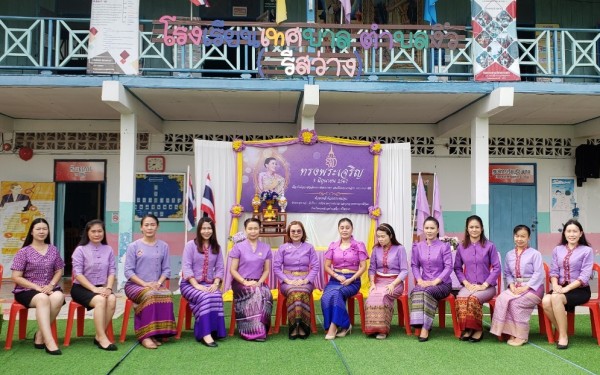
{"points": [[115, 95], [497, 101], [588, 129], [308, 107]]}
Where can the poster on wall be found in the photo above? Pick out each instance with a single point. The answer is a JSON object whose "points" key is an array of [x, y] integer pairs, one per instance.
{"points": [[160, 194], [326, 178], [563, 202], [495, 47], [113, 46], [22, 202]]}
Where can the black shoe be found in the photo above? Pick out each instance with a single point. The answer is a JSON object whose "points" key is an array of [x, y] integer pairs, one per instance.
{"points": [[423, 339], [260, 340], [473, 339], [53, 352], [39, 346], [562, 347], [465, 335], [111, 347], [210, 345]]}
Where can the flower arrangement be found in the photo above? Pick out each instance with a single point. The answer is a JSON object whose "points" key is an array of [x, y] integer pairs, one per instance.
{"points": [[268, 195], [236, 210], [238, 145], [308, 137], [374, 212], [453, 241], [375, 148]]}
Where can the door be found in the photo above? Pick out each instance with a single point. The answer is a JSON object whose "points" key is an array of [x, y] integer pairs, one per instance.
{"points": [[511, 205]]}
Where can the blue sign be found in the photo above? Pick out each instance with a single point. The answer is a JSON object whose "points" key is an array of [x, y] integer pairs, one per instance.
{"points": [[160, 194]]}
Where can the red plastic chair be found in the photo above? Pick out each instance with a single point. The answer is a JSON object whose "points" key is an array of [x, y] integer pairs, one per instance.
{"points": [[17, 308], [281, 312], [185, 314], [127, 311], [361, 306], [74, 307], [592, 304], [403, 311]]}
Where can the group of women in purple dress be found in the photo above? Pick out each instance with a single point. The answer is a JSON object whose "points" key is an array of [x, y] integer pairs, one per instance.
{"points": [[37, 270]]}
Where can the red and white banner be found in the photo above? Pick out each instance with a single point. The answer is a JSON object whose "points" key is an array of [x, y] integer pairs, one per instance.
{"points": [[495, 48]]}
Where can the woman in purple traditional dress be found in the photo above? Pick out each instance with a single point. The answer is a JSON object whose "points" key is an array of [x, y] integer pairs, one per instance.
{"points": [[524, 275], [146, 269], [93, 278], [250, 266], [570, 272], [296, 265], [345, 262], [431, 265], [37, 269], [203, 270], [479, 278], [387, 272]]}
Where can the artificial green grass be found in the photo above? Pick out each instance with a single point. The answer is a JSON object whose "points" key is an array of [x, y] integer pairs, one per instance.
{"points": [[355, 354]]}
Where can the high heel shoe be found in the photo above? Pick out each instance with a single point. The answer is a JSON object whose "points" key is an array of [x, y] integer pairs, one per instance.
{"points": [[209, 344], [331, 337], [344, 332], [38, 346], [53, 352], [562, 347]]}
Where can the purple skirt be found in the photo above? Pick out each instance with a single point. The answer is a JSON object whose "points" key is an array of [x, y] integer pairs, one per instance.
{"points": [[154, 311], [207, 309], [253, 307]]}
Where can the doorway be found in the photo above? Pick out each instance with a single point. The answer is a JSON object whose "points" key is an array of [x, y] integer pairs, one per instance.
{"points": [[511, 205], [83, 201]]}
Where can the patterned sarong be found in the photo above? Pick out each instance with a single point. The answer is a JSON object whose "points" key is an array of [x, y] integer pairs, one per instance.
{"points": [[253, 307], [333, 302], [154, 311], [469, 307], [423, 304], [207, 309], [379, 307], [512, 313], [297, 303]]}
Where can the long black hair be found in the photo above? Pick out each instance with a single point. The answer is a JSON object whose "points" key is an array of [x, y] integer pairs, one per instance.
{"points": [[29, 238], [582, 240], [467, 240], [387, 229], [85, 238], [212, 241]]}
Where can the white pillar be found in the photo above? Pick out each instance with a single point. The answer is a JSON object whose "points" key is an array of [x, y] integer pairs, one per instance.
{"points": [[480, 160]]}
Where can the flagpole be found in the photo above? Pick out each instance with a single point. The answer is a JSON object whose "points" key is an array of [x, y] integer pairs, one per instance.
{"points": [[415, 209]]}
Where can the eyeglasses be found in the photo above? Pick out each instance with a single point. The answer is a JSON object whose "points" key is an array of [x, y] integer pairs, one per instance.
{"points": [[294, 231]]}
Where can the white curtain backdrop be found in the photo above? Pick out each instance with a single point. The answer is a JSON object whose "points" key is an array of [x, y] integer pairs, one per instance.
{"points": [[218, 159], [395, 191]]}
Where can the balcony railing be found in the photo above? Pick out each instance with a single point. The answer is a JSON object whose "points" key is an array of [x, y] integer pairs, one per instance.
{"points": [[59, 46]]}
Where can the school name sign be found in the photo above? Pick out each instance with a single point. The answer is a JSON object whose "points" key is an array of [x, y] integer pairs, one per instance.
{"points": [[308, 49]]}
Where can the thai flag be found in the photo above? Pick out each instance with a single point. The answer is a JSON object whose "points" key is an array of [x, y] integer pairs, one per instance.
{"points": [[208, 201], [200, 2], [190, 216]]}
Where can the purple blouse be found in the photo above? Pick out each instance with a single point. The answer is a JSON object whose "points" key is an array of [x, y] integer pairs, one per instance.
{"points": [[430, 262], [252, 263], [478, 260], [579, 266], [396, 263], [194, 264], [148, 262], [37, 268], [291, 258], [96, 263], [531, 268], [346, 259]]}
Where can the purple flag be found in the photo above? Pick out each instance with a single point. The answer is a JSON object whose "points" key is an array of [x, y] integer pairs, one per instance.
{"points": [[346, 7], [437, 205], [422, 206]]}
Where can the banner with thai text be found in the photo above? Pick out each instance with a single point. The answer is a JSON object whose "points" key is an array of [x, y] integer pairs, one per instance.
{"points": [[79, 170], [21, 203], [113, 46], [323, 177], [495, 45]]}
